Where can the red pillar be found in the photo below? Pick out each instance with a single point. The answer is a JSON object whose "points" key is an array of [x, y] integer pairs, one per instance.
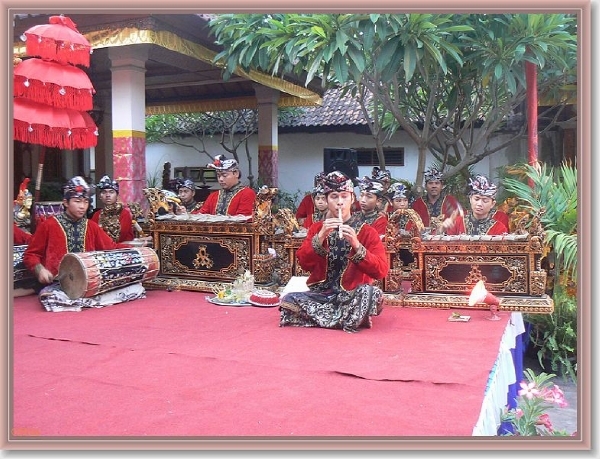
{"points": [[128, 72], [532, 112]]}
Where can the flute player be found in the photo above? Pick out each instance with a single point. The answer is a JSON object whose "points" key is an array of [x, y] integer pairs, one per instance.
{"points": [[344, 256]]}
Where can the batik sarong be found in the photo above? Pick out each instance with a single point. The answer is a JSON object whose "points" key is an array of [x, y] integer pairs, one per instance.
{"points": [[55, 300], [346, 310]]}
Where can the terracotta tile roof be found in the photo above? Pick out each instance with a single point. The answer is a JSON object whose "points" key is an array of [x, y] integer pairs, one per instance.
{"points": [[335, 111]]}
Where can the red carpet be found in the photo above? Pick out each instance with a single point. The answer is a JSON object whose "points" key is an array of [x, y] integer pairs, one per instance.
{"points": [[175, 365]]}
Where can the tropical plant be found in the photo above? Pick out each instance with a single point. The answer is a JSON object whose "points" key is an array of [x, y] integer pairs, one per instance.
{"points": [[450, 81], [554, 336], [550, 194], [50, 191], [536, 396]]}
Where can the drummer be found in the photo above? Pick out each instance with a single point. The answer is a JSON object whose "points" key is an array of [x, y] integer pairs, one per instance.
{"points": [[114, 218], [64, 233], [234, 198]]}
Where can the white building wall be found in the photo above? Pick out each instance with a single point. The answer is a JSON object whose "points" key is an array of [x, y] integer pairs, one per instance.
{"points": [[300, 157]]}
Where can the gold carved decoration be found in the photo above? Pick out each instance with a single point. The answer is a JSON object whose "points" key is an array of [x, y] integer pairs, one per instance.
{"points": [[285, 220], [396, 235], [435, 265], [475, 276], [262, 216], [528, 304], [238, 248], [203, 259]]}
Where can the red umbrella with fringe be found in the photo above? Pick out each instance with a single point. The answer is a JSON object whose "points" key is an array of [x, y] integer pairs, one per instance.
{"points": [[58, 127], [42, 114], [59, 40], [52, 83]]}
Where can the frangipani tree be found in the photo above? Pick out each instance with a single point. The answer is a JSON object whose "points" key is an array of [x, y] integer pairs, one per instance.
{"points": [[450, 81]]}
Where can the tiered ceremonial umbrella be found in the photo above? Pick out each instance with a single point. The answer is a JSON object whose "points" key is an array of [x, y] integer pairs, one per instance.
{"points": [[52, 83], [50, 126], [51, 94], [59, 41]]}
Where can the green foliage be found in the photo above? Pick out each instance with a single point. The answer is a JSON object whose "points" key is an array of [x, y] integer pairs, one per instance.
{"points": [[288, 200], [154, 180], [555, 335], [551, 194], [206, 124], [553, 197], [450, 81], [159, 127]]}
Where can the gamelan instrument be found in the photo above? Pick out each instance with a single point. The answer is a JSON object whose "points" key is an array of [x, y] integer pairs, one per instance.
{"points": [[87, 274]]}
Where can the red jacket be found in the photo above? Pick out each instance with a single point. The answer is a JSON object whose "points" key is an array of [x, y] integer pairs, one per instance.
{"points": [[306, 207], [375, 265], [496, 229], [49, 244], [449, 205], [501, 216], [380, 224], [20, 236], [242, 203]]}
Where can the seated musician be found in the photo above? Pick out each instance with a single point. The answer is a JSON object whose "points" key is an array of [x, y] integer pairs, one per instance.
{"points": [[319, 204], [372, 201], [306, 207], [115, 218], [438, 210], [64, 233], [234, 198], [398, 194], [186, 190], [480, 219], [344, 256], [384, 177]]}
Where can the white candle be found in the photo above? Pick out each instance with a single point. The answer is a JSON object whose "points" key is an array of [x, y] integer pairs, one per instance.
{"points": [[340, 228]]}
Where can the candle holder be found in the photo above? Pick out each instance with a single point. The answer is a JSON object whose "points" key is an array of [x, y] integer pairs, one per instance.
{"points": [[479, 294]]}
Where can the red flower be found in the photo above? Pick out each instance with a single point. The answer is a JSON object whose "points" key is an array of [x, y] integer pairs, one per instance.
{"points": [[544, 420]]}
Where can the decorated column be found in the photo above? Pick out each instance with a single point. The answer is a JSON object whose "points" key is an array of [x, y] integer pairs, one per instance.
{"points": [[268, 150], [128, 121], [532, 112]]}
